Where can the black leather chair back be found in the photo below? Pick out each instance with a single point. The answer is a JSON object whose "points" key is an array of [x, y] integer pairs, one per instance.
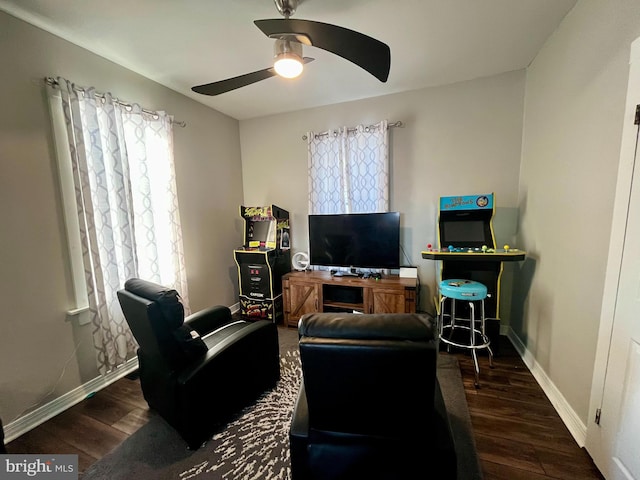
{"points": [[155, 315], [369, 375]]}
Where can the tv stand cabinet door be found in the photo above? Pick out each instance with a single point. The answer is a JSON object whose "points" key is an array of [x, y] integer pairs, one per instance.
{"points": [[391, 300], [300, 298]]}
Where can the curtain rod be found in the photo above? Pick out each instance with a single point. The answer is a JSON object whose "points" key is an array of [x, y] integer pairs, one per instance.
{"points": [[353, 129], [54, 83]]}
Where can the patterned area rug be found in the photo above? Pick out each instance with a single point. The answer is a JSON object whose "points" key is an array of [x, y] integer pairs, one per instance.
{"points": [[255, 446]]}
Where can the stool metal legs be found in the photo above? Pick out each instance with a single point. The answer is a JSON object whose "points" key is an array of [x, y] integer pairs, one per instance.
{"points": [[474, 342]]}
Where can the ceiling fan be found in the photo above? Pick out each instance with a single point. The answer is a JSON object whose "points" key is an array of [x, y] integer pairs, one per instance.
{"points": [[291, 34]]}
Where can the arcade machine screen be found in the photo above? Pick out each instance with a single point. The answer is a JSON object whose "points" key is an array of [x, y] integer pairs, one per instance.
{"points": [[467, 231], [458, 232], [260, 232]]}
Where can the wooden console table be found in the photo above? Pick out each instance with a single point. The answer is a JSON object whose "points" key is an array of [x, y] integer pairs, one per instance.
{"points": [[319, 291]]}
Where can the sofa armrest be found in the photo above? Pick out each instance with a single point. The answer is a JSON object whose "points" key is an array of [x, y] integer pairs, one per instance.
{"points": [[244, 343], [445, 448], [209, 319], [300, 420], [299, 437]]}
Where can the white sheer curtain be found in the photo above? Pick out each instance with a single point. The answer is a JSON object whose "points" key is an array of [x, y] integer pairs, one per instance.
{"points": [[349, 170], [127, 209]]}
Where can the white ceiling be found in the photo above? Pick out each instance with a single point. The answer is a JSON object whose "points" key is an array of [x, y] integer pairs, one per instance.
{"points": [[190, 42]]}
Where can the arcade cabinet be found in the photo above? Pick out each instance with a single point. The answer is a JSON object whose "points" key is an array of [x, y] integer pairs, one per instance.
{"points": [[467, 249], [262, 261]]}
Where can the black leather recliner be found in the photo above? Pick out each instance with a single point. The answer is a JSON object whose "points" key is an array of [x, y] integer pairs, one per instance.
{"points": [[370, 405], [197, 372]]}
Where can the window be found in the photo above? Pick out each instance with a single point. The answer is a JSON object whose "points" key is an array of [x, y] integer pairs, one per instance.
{"points": [[349, 170], [118, 187]]}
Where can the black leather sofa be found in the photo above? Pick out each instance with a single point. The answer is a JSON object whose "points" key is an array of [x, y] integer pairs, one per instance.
{"points": [[370, 405], [199, 371]]}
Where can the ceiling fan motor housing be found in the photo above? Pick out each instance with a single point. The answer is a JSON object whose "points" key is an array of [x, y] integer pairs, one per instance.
{"points": [[284, 46], [286, 7]]}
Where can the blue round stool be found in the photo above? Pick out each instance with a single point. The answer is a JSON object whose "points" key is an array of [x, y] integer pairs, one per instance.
{"points": [[469, 291]]}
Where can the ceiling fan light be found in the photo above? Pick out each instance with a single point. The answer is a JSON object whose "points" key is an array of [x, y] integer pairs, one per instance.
{"points": [[288, 58], [288, 65]]}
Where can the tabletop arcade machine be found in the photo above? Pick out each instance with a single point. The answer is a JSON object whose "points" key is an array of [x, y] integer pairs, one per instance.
{"points": [[467, 249], [262, 261]]}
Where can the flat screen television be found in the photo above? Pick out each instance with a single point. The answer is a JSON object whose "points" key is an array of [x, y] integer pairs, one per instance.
{"points": [[358, 240]]}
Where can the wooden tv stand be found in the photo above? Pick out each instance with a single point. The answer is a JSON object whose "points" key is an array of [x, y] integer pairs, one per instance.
{"points": [[319, 291]]}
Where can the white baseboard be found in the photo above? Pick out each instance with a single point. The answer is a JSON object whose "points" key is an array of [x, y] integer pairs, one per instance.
{"points": [[40, 415], [571, 420]]}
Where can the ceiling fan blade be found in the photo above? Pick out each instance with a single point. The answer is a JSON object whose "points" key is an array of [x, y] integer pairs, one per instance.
{"points": [[223, 86], [368, 53], [216, 88]]}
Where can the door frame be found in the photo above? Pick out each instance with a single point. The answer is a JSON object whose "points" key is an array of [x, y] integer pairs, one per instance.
{"points": [[624, 184]]}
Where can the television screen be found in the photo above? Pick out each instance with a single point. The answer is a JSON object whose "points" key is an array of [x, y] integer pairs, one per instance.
{"points": [[359, 240]]}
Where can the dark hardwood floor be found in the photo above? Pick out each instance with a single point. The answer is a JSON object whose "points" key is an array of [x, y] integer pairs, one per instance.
{"points": [[519, 435]]}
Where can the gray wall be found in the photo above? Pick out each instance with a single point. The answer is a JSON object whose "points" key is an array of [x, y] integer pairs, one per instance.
{"points": [[42, 355], [575, 100], [458, 139]]}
